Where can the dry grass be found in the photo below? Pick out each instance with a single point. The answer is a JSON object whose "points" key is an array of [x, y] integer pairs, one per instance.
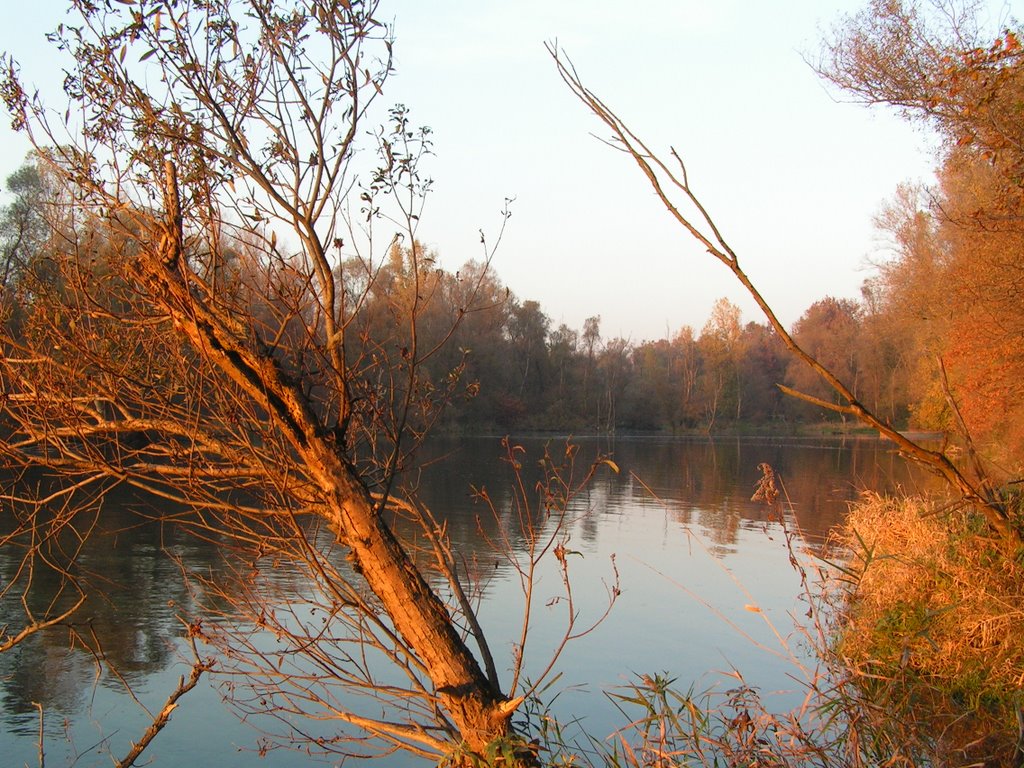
{"points": [[933, 620]]}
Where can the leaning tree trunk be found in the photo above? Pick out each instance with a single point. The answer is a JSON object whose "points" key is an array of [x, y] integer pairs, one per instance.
{"points": [[476, 707]]}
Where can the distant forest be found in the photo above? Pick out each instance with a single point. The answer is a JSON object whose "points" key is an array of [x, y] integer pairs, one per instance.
{"points": [[915, 349], [509, 369]]}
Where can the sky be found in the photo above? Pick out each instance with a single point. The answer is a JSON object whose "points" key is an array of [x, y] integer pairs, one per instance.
{"points": [[792, 173]]}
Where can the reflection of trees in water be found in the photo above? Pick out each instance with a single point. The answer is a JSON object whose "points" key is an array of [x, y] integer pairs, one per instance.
{"points": [[592, 500], [43, 670], [701, 483], [129, 621], [709, 483], [480, 464], [704, 482]]}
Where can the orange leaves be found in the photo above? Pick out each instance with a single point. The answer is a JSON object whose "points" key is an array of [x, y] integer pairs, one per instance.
{"points": [[1011, 43]]}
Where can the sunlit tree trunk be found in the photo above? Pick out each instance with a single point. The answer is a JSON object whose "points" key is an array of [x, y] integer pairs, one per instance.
{"points": [[474, 703]]}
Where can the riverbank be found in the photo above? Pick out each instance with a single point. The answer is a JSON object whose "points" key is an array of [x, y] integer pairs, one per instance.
{"points": [[932, 628]]}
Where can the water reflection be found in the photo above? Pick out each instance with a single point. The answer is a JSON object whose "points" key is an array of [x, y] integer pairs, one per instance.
{"points": [[644, 515], [128, 623], [703, 482]]}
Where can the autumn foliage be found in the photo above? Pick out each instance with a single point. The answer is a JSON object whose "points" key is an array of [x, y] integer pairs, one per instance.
{"points": [[953, 283]]}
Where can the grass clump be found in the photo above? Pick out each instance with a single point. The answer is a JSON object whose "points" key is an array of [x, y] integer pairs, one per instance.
{"points": [[933, 624]]}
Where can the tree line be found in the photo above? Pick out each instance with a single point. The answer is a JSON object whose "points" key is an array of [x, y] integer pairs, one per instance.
{"points": [[518, 371], [508, 368]]}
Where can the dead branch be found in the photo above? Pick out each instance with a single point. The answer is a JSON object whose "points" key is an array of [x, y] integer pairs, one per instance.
{"points": [[667, 180]]}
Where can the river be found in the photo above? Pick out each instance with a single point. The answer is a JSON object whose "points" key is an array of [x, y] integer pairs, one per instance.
{"points": [[707, 592]]}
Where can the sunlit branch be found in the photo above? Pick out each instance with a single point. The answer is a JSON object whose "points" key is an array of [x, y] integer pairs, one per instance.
{"points": [[662, 180]]}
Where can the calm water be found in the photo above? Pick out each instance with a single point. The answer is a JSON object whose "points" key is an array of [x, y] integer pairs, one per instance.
{"points": [[693, 553]]}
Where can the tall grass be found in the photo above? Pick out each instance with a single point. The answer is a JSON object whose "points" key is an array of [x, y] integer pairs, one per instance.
{"points": [[934, 620]]}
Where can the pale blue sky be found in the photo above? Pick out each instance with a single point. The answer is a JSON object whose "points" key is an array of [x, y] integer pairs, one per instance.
{"points": [[792, 175]]}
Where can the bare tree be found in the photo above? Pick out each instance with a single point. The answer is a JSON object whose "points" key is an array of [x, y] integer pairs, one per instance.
{"points": [[202, 338], [671, 184], [932, 60]]}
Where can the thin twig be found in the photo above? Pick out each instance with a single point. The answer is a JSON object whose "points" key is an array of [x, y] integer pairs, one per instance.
{"points": [[42, 752], [164, 715]]}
